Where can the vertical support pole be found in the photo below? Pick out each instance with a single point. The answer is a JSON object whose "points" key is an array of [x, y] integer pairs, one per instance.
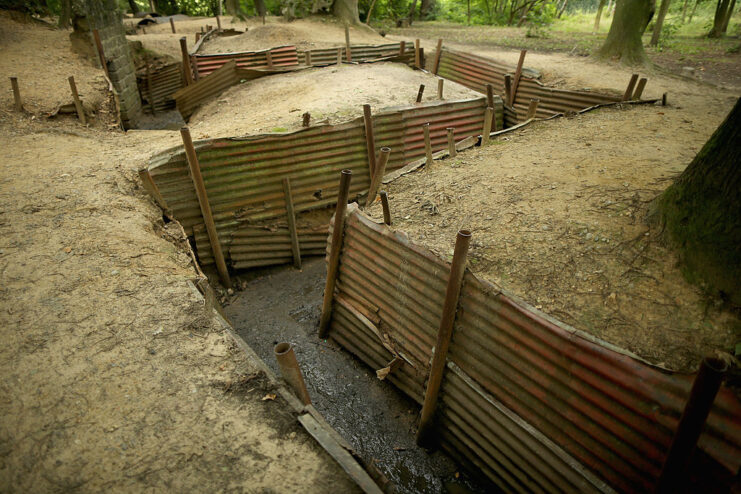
{"points": [[440, 83], [208, 219], [101, 55], [187, 69], [663, 99], [451, 142], [428, 144], [438, 52], [194, 65], [218, 23], [385, 205], [291, 371], [508, 90], [518, 74], [402, 47], [198, 36], [417, 58], [263, 19], [490, 96], [150, 96], [488, 117], [348, 50], [269, 59], [16, 94], [307, 58], [370, 142], [706, 386], [338, 227], [383, 158], [339, 56], [76, 98], [172, 25], [151, 6], [631, 85], [291, 216], [639, 89], [420, 93], [445, 332], [532, 108], [306, 119], [144, 30]]}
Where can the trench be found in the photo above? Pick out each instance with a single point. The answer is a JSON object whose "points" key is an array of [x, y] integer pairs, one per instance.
{"points": [[283, 304]]}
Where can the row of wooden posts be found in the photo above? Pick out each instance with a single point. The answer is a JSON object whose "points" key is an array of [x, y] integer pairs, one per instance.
{"points": [[18, 102]]}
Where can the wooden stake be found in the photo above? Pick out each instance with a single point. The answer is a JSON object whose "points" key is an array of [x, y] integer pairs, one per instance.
{"points": [[208, 219], [194, 65], [187, 69], [631, 84], [488, 117], [370, 142], [101, 55], [639, 89], [218, 23], [420, 93], [172, 25], [144, 30], [348, 50], [508, 90], [440, 88], [451, 142], [76, 98], [417, 59], [518, 74], [428, 144], [532, 108], [385, 205], [402, 47], [438, 52], [291, 216], [307, 58], [16, 94], [490, 96], [663, 99], [383, 158], [151, 6], [198, 36], [149, 86], [339, 56], [306, 121], [269, 59], [338, 227]]}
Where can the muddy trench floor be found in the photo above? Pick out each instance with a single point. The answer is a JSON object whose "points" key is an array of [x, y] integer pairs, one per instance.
{"points": [[284, 304]]}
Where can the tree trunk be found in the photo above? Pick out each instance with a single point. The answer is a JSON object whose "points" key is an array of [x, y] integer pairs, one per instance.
{"points": [[469, 12], [701, 212], [608, 10], [729, 14], [720, 16], [412, 9], [426, 8], [260, 8], [65, 14], [562, 9], [370, 11], [346, 10], [599, 14], [659, 22], [133, 6], [684, 10], [624, 39], [692, 14]]}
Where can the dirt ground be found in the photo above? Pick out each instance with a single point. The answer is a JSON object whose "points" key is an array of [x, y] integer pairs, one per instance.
{"points": [[115, 377], [331, 95]]}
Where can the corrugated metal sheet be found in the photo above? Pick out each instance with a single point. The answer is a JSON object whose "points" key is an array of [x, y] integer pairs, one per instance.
{"points": [[191, 97], [254, 246], [360, 53], [537, 406], [283, 56], [166, 81]]}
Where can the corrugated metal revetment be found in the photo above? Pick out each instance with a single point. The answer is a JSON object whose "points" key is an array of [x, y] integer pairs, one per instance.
{"points": [[282, 56], [535, 405], [165, 82], [359, 53]]}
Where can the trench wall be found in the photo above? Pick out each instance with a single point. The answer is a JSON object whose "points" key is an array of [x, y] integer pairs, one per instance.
{"points": [[535, 405]]}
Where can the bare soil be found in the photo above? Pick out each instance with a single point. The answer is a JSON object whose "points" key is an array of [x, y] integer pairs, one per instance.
{"points": [[331, 95]]}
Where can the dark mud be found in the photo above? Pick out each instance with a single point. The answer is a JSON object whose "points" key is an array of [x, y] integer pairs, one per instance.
{"points": [[283, 304]]}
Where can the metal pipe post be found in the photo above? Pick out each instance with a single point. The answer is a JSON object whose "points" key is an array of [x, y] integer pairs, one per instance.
{"points": [[451, 142], [629, 90], [444, 334], [187, 69], [338, 227], [291, 217], [16, 94], [370, 142], [378, 176], [386, 210], [172, 25], [76, 98], [290, 371]]}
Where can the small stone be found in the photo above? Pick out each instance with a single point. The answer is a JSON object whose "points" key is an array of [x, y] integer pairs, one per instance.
{"points": [[588, 236]]}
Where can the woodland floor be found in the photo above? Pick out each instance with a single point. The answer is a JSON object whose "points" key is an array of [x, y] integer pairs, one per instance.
{"points": [[117, 378]]}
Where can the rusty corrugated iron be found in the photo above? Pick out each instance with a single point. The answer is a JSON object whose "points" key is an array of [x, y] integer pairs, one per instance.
{"points": [[536, 405], [360, 53], [282, 56], [165, 81], [191, 97]]}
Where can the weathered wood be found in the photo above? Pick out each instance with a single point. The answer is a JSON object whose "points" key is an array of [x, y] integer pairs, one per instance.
{"points": [[440, 88], [420, 93], [508, 90], [187, 69], [348, 50], [639, 89], [386, 209], [631, 85], [101, 54], [149, 86], [451, 142], [428, 144], [291, 217], [339, 56], [172, 25], [218, 23], [402, 47], [532, 108], [370, 142], [16, 94], [306, 119], [307, 58], [490, 96], [417, 58], [518, 74], [488, 117], [438, 52], [76, 98], [383, 158]]}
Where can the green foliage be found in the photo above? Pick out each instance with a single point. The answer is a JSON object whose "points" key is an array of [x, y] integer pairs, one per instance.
{"points": [[31, 7]]}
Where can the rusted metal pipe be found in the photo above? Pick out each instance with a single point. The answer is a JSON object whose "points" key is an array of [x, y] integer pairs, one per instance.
{"points": [[428, 144], [101, 54], [383, 158], [440, 83], [706, 386], [532, 108], [508, 90], [629, 90], [417, 56], [445, 332], [639, 89], [333, 262], [208, 219], [518, 74], [370, 142], [187, 69], [290, 371], [172, 25], [451, 142], [348, 50], [16, 94], [438, 52], [385, 205], [488, 117], [420, 93], [291, 217], [76, 98]]}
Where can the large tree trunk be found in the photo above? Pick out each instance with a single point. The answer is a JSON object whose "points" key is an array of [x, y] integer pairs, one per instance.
{"points": [[659, 22], [65, 15], [692, 14], [410, 17], [561, 10], [684, 10], [602, 3], [624, 39], [426, 8], [133, 6], [720, 17], [260, 8], [347, 10], [701, 212], [729, 14]]}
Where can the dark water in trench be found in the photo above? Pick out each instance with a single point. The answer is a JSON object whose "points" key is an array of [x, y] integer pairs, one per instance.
{"points": [[283, 304]]}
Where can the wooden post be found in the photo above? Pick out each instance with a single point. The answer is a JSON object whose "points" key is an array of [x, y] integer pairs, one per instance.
{"points": [[187, 69], [208, 219], [218, 23], [417, 60], [377, 176], [194, 65], [339, 56], [663, 99], [490, 96], [532, 108], [444, 333], [438, 52], [172, 25], [338, 227], [16, 94], [639, 89], [402, 47], [348, 50], [440, 88], [385, 205], [149, 86], [198, 36], [631, 85], [518, 74], [76, 98], [263, 19], [451, 142], [291, 215], [508, 90], [428, 144], [269, 59], [306, 119], [488, 117], [420, 93], [370, 142], [307, 58], [101, 55], [144, 30]]}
